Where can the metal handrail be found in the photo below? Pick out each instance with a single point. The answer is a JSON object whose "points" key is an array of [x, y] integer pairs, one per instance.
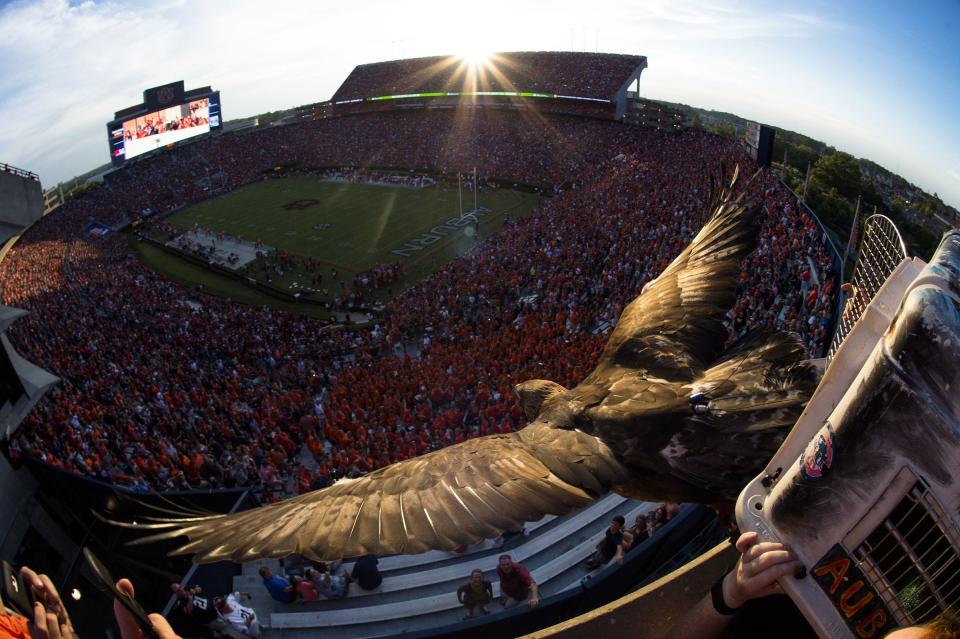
{"points": [[20, 172]]}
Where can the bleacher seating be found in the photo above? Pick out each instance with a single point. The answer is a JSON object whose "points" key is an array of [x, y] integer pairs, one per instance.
{"points": [[419, 591]]}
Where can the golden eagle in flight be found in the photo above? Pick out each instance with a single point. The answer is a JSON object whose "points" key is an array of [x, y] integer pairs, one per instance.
{"points": [[671, 412]]}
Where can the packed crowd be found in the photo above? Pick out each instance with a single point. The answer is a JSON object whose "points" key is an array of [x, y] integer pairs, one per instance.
{"points": [[166, 388], [592, 75]]}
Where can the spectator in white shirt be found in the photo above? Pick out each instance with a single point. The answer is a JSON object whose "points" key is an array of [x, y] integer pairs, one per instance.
{"points": [[240, 619]]}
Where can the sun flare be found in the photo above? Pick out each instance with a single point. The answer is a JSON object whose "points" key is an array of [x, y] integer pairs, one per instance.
{"points": [[476, 57]]}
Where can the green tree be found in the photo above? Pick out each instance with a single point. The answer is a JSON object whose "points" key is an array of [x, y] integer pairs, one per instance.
{"points": [[724, 129], [833, 209], [897, 206], [870, 197], [839, 171], [83, 188], [920, 240], [800, 156]]}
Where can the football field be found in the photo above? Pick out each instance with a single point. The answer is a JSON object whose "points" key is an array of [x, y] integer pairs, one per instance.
{"points": [[347, 227]]}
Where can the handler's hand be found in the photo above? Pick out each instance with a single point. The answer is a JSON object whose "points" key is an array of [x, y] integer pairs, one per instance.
{"points": [[758, 570]]}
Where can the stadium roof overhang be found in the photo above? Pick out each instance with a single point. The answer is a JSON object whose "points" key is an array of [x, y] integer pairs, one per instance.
{"points": [[621, 97], [603, 78]]}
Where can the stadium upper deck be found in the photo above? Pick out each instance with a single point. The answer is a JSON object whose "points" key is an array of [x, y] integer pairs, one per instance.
{"points": [[596, 77]]}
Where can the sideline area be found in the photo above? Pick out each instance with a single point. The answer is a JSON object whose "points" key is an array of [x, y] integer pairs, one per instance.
{"points": [[308, 241]]}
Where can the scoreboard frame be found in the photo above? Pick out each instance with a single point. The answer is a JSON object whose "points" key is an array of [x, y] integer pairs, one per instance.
{"points": [[157, 99]]}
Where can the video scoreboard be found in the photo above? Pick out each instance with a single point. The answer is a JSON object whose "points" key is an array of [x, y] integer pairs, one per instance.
{"points": [[168, 115]]}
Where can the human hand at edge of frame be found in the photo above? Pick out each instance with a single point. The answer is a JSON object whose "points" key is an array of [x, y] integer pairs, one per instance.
{"points": [[129, 629], [50, 619], [759, 570]]}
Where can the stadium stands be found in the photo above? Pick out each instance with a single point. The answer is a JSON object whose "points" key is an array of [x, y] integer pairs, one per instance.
{"points": [[168, 388]]}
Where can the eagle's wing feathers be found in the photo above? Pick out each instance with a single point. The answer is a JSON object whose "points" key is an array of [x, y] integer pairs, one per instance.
{"points": [[442, 500], [674, 329]]}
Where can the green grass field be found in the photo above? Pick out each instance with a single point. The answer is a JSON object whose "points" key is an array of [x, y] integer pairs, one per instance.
{"points": [[348, 227]]}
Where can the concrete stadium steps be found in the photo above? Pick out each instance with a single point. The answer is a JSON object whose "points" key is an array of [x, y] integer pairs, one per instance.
{"points": [[419, 591], [403, 573], [395, 567], [562, 574]]}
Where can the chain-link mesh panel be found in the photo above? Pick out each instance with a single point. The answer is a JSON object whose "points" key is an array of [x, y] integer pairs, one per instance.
{"points": [[880, 253]]}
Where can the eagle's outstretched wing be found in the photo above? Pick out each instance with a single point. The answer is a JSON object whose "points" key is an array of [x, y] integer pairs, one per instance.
{"points": [[674, 328], [442, 500]]}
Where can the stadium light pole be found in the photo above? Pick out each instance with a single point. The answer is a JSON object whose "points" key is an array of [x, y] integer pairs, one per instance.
{"points": [[853, 234], [475, 207], [460, 192]]}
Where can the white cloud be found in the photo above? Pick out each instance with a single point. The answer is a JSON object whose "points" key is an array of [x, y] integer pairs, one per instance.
{"points": [[694, 22]]}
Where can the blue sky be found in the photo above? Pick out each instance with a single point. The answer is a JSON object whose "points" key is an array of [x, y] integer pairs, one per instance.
{"points": [[877, 79]]}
